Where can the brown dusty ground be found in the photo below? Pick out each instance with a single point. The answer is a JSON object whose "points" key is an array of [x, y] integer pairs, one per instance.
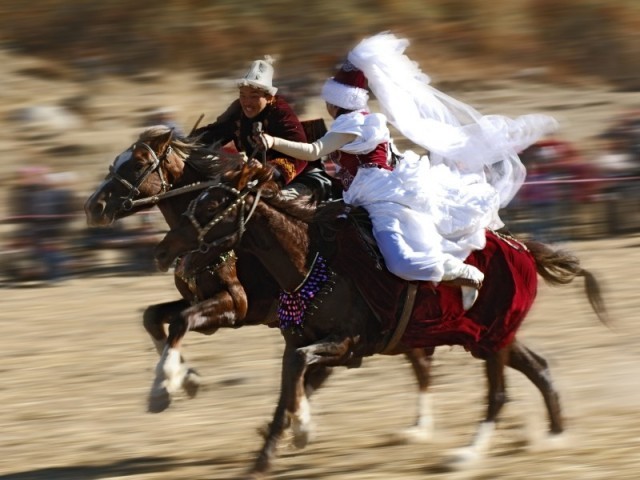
{"points": [[76, 364]]}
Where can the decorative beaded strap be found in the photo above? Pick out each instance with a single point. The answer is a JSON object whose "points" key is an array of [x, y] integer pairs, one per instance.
{"points": [[510, 240], [292, 306]]}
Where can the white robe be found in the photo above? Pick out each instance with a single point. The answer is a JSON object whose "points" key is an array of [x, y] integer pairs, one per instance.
{"points": [[438, 212]]}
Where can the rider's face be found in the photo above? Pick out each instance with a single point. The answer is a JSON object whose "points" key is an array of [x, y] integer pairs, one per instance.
{"points": [[332, 109], [253, 101]]}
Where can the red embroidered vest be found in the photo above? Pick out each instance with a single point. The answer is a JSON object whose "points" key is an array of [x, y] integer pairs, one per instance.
{"points": [[350, 162]]}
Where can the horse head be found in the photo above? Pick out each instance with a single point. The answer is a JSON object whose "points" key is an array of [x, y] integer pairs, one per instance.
{"points": [[145, 170], [215, 221]]}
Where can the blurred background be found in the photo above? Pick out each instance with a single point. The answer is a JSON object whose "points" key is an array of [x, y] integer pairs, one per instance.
{"points": [[79, 79]]}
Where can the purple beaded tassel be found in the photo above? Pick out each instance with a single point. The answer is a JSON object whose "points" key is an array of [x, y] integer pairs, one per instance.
{"points": [[293, 306]]}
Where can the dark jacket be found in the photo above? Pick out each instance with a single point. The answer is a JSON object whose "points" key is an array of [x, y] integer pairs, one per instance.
{"points": [[278, 119]]}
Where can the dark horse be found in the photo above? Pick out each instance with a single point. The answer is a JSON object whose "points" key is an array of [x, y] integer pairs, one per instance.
{"points": [[160, 169], [327, 317]]}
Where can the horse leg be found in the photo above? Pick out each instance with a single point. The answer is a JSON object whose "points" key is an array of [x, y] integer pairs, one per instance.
{"points": [[326, 353], [496, 396], [422, 429], [293, 406], [536, 369], [171, 371], [291, 385], [314, 378], [155, 318]]}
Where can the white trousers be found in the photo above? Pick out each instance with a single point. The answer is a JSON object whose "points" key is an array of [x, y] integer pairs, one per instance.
{"points": [[407, 263]]}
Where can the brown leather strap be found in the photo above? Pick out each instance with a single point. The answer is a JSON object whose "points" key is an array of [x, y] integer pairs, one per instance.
{"points": [[462, 282], [410, 300]]}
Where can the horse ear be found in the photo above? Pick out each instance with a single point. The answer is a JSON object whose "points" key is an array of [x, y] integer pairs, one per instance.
{"points": [[164, 141]]}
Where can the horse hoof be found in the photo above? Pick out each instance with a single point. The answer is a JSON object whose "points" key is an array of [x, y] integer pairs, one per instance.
{"points": [[159, 401], [191, 383], [551, 442], [412, 435], [462, 459], [302, 436], [301, 440], [254, 476]]}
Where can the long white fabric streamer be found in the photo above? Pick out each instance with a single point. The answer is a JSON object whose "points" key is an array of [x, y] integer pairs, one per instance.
{"points": [[451, 131]]}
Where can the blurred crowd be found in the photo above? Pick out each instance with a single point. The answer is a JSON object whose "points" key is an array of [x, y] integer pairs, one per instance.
{"points": [[47, 239], [571, 192]]}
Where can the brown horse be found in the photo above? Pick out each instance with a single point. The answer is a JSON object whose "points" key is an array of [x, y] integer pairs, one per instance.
{"points": [[328, 318], [160, 169]]}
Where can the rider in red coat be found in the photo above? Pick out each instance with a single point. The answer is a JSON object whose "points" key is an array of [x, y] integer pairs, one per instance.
{"points": [[258, 102]]}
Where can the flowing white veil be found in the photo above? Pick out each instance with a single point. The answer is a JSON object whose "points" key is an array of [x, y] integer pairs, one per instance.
{"points": [[451, 131]]}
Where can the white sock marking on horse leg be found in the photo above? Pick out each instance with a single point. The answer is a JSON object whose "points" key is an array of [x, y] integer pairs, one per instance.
{"points": [[158, 381], [422, 430], [478, 447], [161, 362], [302, 417], [301, 425], [425, 412], [484, 435], [173, 370]]}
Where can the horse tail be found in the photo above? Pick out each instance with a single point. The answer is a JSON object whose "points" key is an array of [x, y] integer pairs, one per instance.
{"points": [[559, 267]]}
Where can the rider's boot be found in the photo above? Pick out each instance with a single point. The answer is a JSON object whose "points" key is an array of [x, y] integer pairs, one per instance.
{"points": [[467, 276]]}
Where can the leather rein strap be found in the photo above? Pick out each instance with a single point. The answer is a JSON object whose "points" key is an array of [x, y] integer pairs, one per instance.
{"points": [[410, 300]]}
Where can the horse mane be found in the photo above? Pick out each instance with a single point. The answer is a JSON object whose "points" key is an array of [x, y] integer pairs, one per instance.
{"points": [[210, 162], [300, 208], [182, 146]]}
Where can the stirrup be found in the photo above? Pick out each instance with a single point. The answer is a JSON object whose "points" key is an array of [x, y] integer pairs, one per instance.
{"points": [[469, 296]]}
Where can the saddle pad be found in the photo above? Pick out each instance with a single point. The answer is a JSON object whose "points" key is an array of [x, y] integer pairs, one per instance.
{"points": [[509, 288]]}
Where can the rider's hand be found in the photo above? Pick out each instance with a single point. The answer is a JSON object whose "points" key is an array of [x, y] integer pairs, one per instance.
{"points": [[266, 140]]}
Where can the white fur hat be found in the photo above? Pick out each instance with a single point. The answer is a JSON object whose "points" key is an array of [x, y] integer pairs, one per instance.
{"points": [[260, 76], [347, 89]]}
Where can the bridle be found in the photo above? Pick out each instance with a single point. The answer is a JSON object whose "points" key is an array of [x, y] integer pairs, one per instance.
{"points": [[130, 201], [238, 204]]}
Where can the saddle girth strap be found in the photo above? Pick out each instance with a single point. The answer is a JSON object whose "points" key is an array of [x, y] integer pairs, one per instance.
{"points": [[410, 300]]}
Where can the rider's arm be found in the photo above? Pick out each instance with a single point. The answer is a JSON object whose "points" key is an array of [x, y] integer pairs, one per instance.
{"points": [[223, 129], [331, 142], [281, 121]]}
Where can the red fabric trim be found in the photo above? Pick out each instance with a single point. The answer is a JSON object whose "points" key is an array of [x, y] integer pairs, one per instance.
{"points": [[509, 289]]}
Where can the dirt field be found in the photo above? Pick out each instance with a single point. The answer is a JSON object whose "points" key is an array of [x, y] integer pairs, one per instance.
{"points": [[77, 366]]}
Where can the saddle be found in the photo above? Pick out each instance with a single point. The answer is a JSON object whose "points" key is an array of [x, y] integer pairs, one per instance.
{"points": [[333, 217], [437, 316]]}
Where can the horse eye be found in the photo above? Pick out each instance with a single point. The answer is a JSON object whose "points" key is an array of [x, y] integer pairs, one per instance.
{"points": [[213, 206]]}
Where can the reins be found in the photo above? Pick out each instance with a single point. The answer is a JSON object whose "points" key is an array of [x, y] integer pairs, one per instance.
{"points": [[166, 191], [155, 199], [242, 221]]}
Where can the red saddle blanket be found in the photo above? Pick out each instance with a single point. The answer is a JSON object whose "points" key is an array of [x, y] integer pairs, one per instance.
{"points": [[509, 288]]}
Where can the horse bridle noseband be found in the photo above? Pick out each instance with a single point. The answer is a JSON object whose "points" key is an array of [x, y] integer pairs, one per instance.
{"points": [[129, 203], [238, 203]]}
